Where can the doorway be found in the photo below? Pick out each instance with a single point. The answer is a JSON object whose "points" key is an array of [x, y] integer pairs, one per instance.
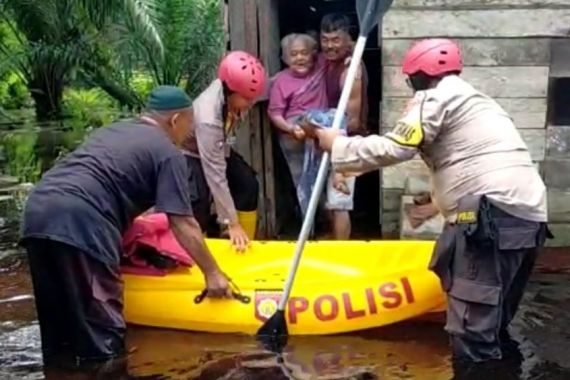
{"points": [[304, 16]]}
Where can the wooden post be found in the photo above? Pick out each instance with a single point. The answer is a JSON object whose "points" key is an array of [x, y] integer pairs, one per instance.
{"points": [[269, 54], [254, 28]]}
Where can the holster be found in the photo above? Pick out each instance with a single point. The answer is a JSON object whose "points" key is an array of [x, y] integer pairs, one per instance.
{"points": [[481, 232], [473, 226]]}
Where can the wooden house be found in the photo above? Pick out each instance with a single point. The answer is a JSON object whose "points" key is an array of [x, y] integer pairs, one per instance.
{"points": [[517, 51]]}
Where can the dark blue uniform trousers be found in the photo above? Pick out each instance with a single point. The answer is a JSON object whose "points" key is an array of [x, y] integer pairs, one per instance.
{"points": [[484, 262]]}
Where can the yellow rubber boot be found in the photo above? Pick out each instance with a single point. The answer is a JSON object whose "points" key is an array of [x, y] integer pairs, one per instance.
{"points": [[248, 221]]}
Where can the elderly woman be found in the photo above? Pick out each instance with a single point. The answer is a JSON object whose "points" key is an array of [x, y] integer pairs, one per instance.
{"points": [[295, 90], [299, 93]]}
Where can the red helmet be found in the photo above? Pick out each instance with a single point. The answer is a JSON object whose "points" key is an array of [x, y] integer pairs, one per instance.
{"points": [[434, 56], [243, 73]]}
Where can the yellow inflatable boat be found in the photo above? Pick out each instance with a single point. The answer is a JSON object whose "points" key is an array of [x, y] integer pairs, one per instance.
{"points": [[340, 287]]}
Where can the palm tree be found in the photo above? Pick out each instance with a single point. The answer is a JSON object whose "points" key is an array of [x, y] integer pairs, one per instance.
{"points": [[192, 35], [177, 42], [55, 38]]}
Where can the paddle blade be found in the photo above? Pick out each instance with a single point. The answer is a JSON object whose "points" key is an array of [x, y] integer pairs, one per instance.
{"points": [[370, 13], [273, 334]]}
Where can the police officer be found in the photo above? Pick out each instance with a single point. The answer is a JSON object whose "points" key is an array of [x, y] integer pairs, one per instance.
{"points": [[484, 183], [218, 171], [76, 215]]}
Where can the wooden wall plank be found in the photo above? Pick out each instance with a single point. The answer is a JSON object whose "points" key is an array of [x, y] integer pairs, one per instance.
{"points": [[251, 28], [391, 224], [391, 199], [479, 4], [515, 23], [561, 232], [270, 194], [560, 58], [503, 82], [394, 177], [269, 53], [526, 112], [417, 184], [482, 51], [556, 173], [236, 15], [269, 49], [240, 33], [558, 142], [535, 140], [256, 151], [558, 206]]}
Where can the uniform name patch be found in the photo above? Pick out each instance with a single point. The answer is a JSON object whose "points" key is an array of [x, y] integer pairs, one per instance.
{"points": [[466, 217], [408, 134], [409, 130]]}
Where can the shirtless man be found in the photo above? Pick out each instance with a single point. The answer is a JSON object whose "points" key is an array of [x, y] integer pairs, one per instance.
{"points": [[337, 45]]}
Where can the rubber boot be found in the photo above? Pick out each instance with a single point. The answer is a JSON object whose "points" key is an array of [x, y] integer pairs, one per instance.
{"points": [[248, 221]]}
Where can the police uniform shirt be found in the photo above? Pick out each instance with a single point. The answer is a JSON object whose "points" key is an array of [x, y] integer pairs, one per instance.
{"points": [[90, 197], [209, 143], [469, 144]]}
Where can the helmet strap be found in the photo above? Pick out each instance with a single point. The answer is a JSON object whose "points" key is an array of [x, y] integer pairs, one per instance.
{"points": [[227, 117], [422, 81]]}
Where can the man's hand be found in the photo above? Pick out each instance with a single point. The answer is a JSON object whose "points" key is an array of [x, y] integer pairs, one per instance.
{"points": [[422, 199], [238, 237], [298, 133], [339, 183], [326, 138], [418, 214], [217, 285], [188, 233]]}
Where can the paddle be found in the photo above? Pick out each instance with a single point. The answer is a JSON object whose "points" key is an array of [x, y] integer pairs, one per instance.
{"points": [[274, 331]]}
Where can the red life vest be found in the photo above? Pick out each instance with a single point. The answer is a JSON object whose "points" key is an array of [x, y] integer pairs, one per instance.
{"points": [[152, 233]]}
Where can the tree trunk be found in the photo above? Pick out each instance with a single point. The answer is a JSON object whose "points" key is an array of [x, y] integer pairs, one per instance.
{"points": [[124, 95], [48, 96], [99, 71]]}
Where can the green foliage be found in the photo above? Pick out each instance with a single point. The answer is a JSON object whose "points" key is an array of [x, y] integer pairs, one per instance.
{"points": [[18, 149], [13, 92], [88, 61], [142, 84], [89, 107], [205, 46], [193, 39], [55, 38]]}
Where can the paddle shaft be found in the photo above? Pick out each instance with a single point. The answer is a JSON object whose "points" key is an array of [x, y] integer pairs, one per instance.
{"points": [[323, 170]]}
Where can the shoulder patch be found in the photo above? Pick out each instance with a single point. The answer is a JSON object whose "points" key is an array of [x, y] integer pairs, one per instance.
{"points": [[407, 134], [409, 130]]}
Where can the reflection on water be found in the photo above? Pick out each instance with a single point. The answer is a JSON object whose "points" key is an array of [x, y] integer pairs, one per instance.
{"points": [[411, 350], [339, 357]]}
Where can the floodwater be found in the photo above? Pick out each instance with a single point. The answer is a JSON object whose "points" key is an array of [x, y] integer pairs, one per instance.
{"points": [[410, 350]]}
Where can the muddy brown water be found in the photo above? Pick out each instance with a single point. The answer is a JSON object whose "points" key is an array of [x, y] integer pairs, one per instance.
{"points": [[410, 350]]}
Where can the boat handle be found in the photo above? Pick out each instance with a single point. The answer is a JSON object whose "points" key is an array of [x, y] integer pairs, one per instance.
{"points": [[240, 297]]}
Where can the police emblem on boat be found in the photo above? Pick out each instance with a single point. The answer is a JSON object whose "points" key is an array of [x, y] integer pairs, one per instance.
{"points": [[266, 302]]}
